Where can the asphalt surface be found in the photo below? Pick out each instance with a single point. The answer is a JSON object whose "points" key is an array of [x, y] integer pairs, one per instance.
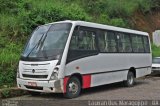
{"points": [[147, 88]]}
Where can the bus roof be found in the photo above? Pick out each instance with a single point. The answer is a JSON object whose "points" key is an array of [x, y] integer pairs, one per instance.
{"points": [[102, 26]]}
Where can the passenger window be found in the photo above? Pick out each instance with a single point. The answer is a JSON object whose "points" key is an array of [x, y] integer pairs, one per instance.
{"points": [[124, 44], [86, 40], [112, 42], [146, 44], [83, 44], [107, 42], [137, 44], [103, 41]]}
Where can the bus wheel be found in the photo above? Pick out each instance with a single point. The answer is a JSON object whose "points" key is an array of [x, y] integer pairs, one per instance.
{"points": [[130, 79], [34, 93], [73, 88]]}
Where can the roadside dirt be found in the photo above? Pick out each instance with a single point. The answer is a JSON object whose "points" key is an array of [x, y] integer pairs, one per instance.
{"points": [[146, 88], [148, 22]]}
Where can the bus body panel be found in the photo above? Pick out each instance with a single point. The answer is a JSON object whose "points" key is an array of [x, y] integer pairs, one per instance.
{"points": [[107, 68], [107, 78]]}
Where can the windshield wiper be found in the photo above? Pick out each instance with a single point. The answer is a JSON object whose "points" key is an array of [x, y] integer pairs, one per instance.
{"points": [[38, 43]]}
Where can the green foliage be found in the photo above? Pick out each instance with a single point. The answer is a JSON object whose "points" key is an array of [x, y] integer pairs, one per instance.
{"points": [[155, 4], [103, 19], [6, 93], [18, 24], [9, 25], [115, 12], [118, 22], [145, 5], [9, 56], [9, 51], [118, 8], [8, 6], [47, 12], [155, 51], [18, 18]]}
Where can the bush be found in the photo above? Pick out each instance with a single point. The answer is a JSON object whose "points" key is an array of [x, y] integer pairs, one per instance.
{"points": [[47, 12], [5, 93], [15, 28], [155, 51], [9, 56], [103, 19], [118, 22], [18, 18], [145, 5], [8, 6]]}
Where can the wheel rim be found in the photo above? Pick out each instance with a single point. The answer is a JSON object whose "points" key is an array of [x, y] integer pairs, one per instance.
{"points": [[73, 87], [130, 80]]}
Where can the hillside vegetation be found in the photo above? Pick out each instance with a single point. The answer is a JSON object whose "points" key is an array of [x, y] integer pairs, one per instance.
{"points": [[19, 17]]}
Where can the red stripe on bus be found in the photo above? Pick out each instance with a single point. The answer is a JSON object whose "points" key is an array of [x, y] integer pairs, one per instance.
{"points": [[86, 81], [65, 80]]}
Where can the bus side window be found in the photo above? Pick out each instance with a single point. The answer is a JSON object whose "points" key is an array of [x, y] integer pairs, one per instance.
{"points": [[87, 40], [112, 42], [137, 44], [146, 44], [103, 41], [124, 44], [82, 44]]}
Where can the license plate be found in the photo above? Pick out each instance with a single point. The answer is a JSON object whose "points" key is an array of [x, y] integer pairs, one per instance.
{"points": [[32, 83]]}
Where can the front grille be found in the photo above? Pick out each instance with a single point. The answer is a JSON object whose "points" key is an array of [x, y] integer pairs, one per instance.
{"points": [[35, 88], [34, 76]]}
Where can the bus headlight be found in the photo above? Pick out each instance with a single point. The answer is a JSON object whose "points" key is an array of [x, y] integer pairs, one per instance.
{"points": [[18, 75], [54, 75]]}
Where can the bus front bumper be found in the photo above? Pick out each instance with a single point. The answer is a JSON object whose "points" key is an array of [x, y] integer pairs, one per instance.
{"points": [[54, 86]]}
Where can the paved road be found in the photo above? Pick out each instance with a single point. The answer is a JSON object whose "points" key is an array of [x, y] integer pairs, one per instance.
{"points": [[147, 88]]}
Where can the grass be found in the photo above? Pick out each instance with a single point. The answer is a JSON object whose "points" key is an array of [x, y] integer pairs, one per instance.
{"points": [[155, 51], [10, 54], [9, 57], [19, 17]]}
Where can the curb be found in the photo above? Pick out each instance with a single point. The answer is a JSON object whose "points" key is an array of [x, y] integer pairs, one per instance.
{"points": [[12, 92]]}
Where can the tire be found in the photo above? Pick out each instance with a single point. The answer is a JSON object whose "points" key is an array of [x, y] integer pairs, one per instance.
{"points": [[130, 80], [73, 88], [34, 93]]}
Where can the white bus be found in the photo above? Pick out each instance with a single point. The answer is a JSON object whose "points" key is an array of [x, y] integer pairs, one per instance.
{"points": [[68, 56]]}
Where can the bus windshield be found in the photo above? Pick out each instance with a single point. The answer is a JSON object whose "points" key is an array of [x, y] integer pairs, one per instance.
{"points": [[47, 42]]}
